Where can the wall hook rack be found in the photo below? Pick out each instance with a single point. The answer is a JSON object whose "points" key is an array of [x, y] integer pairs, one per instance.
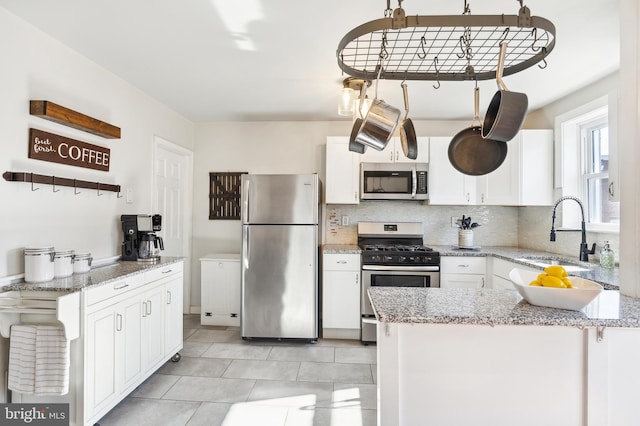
{"points": [[59, 181]]}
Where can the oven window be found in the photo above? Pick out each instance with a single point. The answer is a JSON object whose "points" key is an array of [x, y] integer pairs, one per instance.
{"points": [[400, 280], [383, 182]]}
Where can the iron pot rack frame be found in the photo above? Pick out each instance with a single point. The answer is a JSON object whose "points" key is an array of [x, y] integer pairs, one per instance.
{"points": [[445, 47]]}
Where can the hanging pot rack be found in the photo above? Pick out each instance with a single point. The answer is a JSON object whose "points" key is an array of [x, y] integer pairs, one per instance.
{"points": [[445, 47]]}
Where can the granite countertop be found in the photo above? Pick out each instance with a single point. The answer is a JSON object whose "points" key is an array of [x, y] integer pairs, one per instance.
{"points": [[609, 278], [496, 307], [97, 276]]}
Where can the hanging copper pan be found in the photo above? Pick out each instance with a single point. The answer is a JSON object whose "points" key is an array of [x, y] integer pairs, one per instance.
{"points": [[507, 110], [470, 153], [407, 131]]}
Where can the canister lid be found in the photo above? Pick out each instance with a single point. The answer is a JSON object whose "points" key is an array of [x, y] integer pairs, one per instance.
{"points": [[64, 253], [39, 250], [79, 256]]}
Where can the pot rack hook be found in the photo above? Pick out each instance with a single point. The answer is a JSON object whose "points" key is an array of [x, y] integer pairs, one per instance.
{"points": [[75, 188], [388, 11], [504, 35], [435, 65], [32, 188], [544, 60], [422, 55], [54, 184]]}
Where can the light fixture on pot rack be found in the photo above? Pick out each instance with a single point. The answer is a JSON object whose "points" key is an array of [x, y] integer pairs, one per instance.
{"points": [[350, 96]]}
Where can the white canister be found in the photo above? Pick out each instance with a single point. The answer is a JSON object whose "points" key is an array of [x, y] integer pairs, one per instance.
{"points": [[82, 263], [38, 264], [465, 238], [63, 263]]}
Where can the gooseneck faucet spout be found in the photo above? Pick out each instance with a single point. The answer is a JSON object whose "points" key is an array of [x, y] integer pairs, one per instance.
{"points": [[584, 249]]}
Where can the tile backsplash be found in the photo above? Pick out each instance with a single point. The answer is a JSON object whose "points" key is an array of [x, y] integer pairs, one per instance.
{"points": [[525, 227], [498, 225]]}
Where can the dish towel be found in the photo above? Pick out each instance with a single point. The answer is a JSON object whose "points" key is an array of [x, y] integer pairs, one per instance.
{"points": [[38, 360]]}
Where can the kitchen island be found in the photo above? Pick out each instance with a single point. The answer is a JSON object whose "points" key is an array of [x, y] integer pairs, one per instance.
{"points": [[487, 357], [123, 321]]}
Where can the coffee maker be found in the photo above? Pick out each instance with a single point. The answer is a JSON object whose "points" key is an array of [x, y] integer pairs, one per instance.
{"points": [[140, 240]]}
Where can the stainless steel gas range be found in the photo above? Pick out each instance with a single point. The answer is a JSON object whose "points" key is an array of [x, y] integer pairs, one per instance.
{"points": [[393, 255]]}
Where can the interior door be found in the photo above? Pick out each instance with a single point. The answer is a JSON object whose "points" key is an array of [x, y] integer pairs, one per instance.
{"points": [[173, 200]]}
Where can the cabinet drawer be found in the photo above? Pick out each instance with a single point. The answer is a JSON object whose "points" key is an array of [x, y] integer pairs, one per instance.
{"points": [[463, 265], [341, 262], [502, 267], [163, 271], [112, 289]]}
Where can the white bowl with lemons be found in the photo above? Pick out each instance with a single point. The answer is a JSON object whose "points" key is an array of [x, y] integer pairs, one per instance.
{"points": [[581, 293]]}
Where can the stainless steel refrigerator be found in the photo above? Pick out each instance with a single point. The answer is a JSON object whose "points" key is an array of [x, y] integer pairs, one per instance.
{"points": [[280, 256]]}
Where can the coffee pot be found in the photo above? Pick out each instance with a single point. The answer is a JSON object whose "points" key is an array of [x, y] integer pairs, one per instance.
{"points": [[149, 246]]}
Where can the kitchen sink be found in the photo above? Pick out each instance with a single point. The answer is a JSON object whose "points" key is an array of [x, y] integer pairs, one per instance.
{"points": [[548, 261]]}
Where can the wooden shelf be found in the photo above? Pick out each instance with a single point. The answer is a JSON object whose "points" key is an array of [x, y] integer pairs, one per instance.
{"points": [[59, 114]]}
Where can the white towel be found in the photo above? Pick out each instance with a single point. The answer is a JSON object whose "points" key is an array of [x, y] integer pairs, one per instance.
{"points": [[38, 360]]}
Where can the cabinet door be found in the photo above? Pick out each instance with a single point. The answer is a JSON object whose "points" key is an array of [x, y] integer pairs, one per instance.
{"points": [[152, 327], [423, 151], [341, 299], [387, 155], [100, 356], [447, 186], [536, 167], [500, 187], [342, 172], [129, 342], [173, 315], [462, 281]]}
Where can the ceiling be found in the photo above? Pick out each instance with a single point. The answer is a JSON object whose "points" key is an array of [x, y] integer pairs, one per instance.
{"points": [[255, 60]]}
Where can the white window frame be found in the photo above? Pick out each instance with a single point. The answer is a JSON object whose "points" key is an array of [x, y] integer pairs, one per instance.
{"points": [[569, 166]]}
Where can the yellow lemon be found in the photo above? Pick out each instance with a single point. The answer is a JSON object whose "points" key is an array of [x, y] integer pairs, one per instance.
{"points": [[556, 271], [567, 282], [551, 281], [535, 283]]}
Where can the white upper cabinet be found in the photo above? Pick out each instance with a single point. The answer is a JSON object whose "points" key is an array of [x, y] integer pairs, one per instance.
{"points": [[342, 172], [393, 152], [447, 186], [525, 178]]}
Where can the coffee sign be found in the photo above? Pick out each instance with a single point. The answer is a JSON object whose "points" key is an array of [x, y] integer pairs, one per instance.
{"points": [[59, 149]]}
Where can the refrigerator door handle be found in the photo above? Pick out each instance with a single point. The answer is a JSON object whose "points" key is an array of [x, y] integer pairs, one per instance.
{"points": [[245, 204]]}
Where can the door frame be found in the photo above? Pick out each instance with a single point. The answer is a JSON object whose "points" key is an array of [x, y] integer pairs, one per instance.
{"points": [[162, 144]]}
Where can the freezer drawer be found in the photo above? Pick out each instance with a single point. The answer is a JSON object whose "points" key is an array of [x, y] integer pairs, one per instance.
{"points": [[279, 282]]}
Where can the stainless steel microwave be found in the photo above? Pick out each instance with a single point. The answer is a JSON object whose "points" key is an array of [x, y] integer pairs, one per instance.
{"points": [[394, 181]]}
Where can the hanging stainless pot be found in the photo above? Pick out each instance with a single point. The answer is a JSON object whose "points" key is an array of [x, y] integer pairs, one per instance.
{"points": [[407, 131], [472, 154], [379, 123], [507, 110], [353, 145]]}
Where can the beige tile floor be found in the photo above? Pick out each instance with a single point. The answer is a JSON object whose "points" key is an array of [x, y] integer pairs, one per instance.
{"points": [[224, 380]]}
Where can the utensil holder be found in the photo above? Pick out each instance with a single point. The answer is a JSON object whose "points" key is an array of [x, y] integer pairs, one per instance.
{"points": [[465, 238]]}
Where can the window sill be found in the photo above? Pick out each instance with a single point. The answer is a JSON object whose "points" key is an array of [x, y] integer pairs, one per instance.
{"points": [[604, 228]]}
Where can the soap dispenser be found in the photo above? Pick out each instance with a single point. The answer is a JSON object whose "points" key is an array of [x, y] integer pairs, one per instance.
{"points": [[607, 257]]}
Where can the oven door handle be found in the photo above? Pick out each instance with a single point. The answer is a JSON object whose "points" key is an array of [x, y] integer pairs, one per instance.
{"points": [[401, 268]]}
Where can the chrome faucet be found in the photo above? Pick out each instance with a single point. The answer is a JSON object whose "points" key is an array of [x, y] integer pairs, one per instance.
{"points": [[584, 249]]}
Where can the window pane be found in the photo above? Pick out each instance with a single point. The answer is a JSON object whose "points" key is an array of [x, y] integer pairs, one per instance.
{"points": [[600, 209]]}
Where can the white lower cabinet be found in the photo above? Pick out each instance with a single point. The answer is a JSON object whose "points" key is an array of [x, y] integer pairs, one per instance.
{"points": [[462, 272], [131, 328], [500, 269], [220, 289], [341, 296]]}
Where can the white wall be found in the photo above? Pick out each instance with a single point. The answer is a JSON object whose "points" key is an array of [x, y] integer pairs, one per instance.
{"points": [[37, 67]]}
